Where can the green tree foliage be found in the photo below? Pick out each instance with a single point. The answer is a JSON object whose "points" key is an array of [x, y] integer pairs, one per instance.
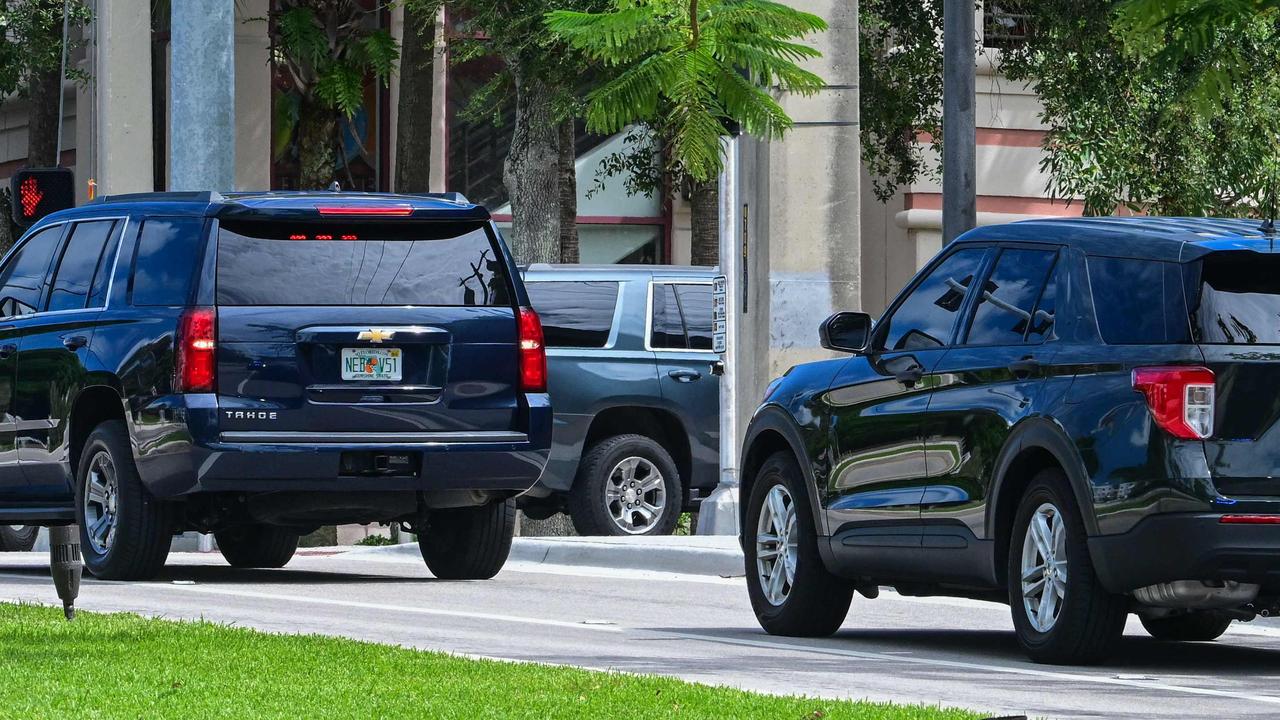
{"points": [[326, 49], [690, 69], [1123, 131]]}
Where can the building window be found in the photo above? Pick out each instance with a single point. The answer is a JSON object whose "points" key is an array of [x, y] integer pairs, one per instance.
{"points": [[1005, 24]]}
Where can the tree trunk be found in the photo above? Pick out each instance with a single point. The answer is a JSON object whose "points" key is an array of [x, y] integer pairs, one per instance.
{"points": [[569, 249], [704, 218], [42, 124], [317, 133], [417, 78], [531, 172]]}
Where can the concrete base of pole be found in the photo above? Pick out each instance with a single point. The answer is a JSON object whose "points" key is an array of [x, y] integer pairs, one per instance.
{"points": [[718, 513]]}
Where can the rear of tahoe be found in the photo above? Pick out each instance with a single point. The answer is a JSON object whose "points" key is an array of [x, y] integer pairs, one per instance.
{"points": [[1198, 515], [347, 358]]}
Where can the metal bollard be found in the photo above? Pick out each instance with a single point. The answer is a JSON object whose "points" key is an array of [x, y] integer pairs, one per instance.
{"points": [[65, 565]]}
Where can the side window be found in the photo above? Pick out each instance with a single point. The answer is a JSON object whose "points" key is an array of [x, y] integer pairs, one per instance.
{"points": [[80, 260], [925, 318], [1138, 302], [667, 327], [1043, 316], [165, 262], [1003, 313], [574, 314], [695, 308], [22, 281]]}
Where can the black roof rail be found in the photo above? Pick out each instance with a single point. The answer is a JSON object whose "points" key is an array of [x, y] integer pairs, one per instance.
{"points": [[203, 196], [453, 197]]}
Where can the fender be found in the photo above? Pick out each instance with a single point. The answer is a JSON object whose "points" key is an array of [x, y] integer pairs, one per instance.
{"points": [[1045, 434], [775, 418]]}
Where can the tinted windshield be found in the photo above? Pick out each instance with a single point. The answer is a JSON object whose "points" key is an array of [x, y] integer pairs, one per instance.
{"points": [[440, 264], [1235, 300]]}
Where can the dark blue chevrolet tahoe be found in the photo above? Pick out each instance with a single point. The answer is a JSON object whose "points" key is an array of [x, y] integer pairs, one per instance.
{"points": [[1080, 418], [258, 365]]}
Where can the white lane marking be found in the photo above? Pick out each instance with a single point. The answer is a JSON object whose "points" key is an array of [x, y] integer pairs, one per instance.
{"points": [[968, 666], [594, 627]]}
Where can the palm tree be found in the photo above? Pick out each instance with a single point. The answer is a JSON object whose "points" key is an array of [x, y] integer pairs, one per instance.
{"points": [[690, 70]]}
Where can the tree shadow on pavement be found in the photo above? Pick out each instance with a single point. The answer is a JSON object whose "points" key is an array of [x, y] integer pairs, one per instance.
{"points": [[223, 575]]}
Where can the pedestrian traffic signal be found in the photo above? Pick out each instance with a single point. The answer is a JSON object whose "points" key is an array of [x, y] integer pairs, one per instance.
{"points": [[36, 192]]}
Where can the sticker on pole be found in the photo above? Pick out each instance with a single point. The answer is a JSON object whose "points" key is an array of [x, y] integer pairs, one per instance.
{"points": [[719, 314]]}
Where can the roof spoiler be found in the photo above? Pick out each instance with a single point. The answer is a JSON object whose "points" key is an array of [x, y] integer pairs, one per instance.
{"points": [[206, 196], [453, 197]]}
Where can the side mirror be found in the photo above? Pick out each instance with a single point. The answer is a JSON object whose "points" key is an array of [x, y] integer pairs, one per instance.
{"points": [[846, 332]]}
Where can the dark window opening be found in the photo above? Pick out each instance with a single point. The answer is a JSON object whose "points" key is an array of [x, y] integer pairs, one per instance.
{"points": [[574, 314]]}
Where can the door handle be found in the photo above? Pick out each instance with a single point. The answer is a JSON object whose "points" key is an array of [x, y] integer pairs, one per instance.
{"points": [[684, 376], [74, 342], [911, 375], [1024, 367], [717, 368], [7, 351]]}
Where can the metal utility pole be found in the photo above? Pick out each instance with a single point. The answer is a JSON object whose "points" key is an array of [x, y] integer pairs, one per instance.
{"points": [[202, 96], [959, 166]]}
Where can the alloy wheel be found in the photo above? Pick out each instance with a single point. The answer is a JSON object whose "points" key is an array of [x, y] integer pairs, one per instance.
{"points": [[636, 495], [101, 502], [777, 545], [1044, 567]]}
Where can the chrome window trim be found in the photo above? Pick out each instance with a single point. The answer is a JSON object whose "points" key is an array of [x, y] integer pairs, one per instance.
{"points": [[648, 318], [59, 223]]}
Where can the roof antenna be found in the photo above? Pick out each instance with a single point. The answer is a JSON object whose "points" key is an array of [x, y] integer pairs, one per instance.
{"points": [[335, 187], [1269, 223]]}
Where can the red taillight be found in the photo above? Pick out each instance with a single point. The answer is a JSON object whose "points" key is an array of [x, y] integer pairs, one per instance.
{"points": [[533, 355], [196, 345], [1250, 519], [1180, 398], [366, 210]]}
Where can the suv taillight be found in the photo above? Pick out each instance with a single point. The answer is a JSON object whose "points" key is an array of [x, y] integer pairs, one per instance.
{"points": [[194, 369], [533, 355], [1180, 398]]}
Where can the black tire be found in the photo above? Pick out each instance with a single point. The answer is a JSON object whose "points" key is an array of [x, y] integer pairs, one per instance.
{"points": [[587, 503], [257, 546], [1196, 626], [143, 524], [817, 601], [468, 543], [1090, 620], [18, 538]]}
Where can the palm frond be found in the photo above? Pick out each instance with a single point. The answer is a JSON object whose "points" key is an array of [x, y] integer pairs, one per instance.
{"points": [[765, 18], [616, 37], [632, 95], [768, 69], [759, 114]]}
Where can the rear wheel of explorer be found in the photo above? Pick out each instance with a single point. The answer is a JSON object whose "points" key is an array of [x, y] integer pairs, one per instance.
{"points": [[257, 546], [791, 591], [125, 532], [627, 485], [1061, 612], [18, 538], [468, 543], [1196, 626]]}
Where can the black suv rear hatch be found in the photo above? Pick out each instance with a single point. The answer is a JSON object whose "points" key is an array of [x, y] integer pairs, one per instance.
{"points": [[361, 329]]}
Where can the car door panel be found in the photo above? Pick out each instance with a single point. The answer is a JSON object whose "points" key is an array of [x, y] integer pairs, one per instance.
{"points": [[680, 337]]}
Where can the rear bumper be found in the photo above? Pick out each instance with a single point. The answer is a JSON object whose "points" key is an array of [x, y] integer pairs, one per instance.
{"points": [[1187, 546]]}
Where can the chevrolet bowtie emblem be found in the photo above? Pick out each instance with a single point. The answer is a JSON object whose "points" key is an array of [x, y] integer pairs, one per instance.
{"points": [[376, 336]]}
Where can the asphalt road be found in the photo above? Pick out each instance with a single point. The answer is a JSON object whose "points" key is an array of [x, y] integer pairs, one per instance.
{"points": [[940, 651]]}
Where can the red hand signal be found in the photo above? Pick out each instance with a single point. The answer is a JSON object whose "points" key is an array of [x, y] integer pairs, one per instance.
{"points": [[30, 196]]}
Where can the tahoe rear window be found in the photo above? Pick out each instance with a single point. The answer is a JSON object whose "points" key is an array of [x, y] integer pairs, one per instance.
{"points": [[423, 263], [1234, 298]]}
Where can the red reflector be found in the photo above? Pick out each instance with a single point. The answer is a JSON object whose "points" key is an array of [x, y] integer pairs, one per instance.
{"points": [[1250, 519], [533, 355], [364, 210], [194, 367]]}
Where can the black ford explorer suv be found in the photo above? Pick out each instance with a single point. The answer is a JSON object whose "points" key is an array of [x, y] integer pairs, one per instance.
{"points": [[258, 365], [1080, 418]]}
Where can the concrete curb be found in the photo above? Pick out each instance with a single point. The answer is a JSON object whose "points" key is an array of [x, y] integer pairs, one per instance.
{"points": [[717, 556]]}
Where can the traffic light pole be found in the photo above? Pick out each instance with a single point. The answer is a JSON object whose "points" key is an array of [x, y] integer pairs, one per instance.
{"points": [[959, 191]]}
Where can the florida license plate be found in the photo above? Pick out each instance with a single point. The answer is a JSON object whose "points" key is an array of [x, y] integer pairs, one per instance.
{"points": [[372, 364]]}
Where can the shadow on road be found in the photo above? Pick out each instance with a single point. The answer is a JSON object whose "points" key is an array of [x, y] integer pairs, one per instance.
{"points": [[1234, 655], [222, 575]]}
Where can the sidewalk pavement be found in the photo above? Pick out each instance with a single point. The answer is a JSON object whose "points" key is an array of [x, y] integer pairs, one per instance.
{"points": [[715, 555]]}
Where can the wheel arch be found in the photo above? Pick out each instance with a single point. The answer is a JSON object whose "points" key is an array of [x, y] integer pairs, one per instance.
{"points": [[658, 424], [94, 405], [1034, 445], [772, 430]]}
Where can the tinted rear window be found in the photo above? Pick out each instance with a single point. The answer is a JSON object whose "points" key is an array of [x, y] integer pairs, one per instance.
{"points": [[1234, 298], [165, 261], [1138, 302], [574, 314], [438, 263]]}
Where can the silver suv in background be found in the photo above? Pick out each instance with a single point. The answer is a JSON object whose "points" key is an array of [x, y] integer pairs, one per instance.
{"points": [[635, 392]]}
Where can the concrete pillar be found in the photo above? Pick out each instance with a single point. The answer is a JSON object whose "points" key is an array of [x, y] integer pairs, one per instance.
{"points": [[202, 96], [440, 113], [120, 142], [253, 97]]}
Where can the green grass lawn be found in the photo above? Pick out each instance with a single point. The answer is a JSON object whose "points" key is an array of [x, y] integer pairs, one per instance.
{"points": [[124, 666]]}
